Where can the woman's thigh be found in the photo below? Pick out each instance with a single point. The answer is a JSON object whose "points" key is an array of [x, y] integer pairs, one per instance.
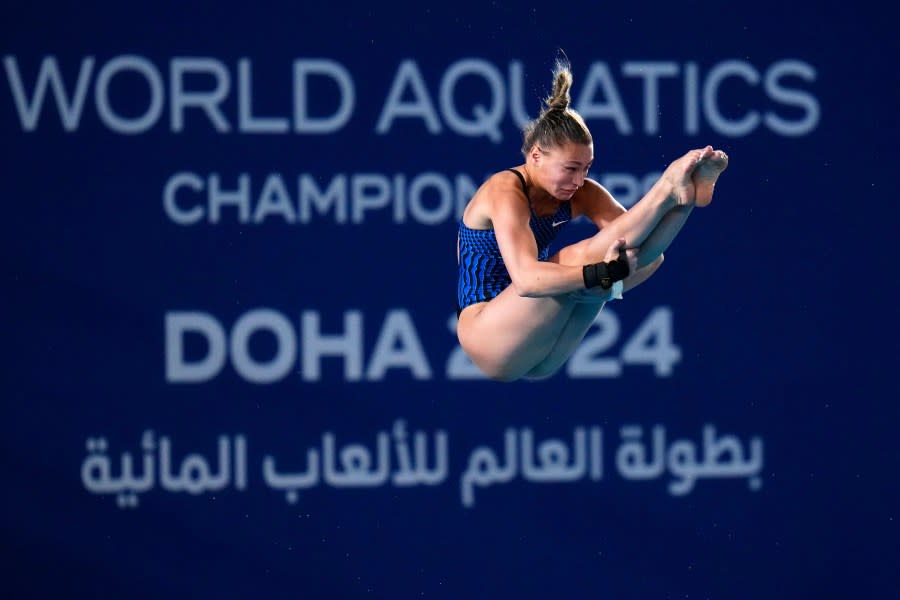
{"points": [[509, 335]]}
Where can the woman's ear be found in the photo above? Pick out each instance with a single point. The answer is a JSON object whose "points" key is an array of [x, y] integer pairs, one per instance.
{"points": [[534, 154]]}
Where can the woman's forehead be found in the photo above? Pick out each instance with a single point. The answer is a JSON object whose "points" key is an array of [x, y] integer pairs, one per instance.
{"points": [[571, 152]]}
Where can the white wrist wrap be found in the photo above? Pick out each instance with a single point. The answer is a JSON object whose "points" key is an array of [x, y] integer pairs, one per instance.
{"points": [[615, 292]]}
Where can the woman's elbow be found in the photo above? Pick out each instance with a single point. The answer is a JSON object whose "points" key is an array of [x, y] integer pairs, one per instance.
{"points": [[525, 290], [527, 287]]}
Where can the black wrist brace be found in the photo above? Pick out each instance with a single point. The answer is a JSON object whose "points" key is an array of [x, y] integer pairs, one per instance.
{"points": [[605, 274]]}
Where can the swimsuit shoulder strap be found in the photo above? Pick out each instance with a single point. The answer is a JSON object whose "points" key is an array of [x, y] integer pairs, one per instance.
{"points": [[521, 179], [524, 189]]}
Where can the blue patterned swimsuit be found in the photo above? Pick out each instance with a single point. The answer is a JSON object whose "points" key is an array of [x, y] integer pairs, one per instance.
{"points": [[482, 273]]}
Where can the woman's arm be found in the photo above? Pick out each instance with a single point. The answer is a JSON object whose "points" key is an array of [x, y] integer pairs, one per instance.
{"points": [[510, 216]]}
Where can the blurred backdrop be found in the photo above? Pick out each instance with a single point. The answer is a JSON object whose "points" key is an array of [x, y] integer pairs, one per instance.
{"points": [[229, 360]]}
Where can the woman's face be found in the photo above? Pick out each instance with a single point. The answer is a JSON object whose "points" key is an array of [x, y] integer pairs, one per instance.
{"points": [[562, 169]]}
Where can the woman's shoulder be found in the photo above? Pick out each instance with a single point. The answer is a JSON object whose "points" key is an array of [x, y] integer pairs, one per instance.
{"points": [[592, 191], [504, 181], [595, 201], [503, 188]]}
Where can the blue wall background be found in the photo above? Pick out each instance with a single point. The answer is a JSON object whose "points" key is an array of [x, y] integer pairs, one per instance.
{"points": [[767, 412]]}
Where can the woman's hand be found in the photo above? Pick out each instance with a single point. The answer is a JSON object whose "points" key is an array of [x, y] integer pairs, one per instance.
{"points": [[631, 255], [598, 295], [617, 250]]}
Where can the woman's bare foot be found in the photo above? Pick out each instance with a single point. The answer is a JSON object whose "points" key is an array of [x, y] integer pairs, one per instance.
{"points": [[706, 173], [679, 175]]}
